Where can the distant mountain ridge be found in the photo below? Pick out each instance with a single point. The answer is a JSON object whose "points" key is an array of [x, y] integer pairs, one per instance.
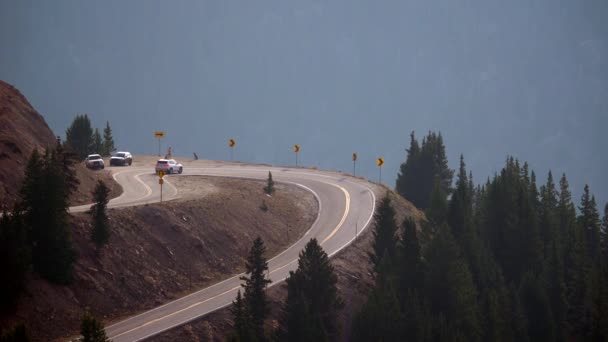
{"points": [[22, 129]]}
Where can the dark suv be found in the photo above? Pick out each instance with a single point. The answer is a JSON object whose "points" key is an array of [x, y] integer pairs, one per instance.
{"points": [[121, 158]]}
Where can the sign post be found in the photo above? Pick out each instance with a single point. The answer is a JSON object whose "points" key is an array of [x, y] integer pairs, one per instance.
{"points": [[161, 174], [296, 150], [354, 163], [380, 162], [159, 135], [232, 145]]}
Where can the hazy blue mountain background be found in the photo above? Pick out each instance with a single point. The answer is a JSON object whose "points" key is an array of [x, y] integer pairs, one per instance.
{"points": [[497, 78]]}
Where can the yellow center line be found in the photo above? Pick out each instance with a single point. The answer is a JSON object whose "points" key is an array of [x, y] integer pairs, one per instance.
{"points": [[176, 312], [347, 208]]}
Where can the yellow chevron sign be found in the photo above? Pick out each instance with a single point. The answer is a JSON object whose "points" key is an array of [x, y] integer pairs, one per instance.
{"points": [[380, 162]]}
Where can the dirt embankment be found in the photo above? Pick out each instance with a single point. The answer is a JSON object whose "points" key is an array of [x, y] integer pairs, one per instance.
{"points": [[88, 179], [162, 251], [22, 129], [354, 282]]}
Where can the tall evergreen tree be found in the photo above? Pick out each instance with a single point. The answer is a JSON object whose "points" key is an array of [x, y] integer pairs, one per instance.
{"points": [[422, 167], [97, 145], [101, 223], [385, 227], [407, 185], [553, 268], [541, 326], [510, 222], [79, 136], [380, 318], [604, 235], [575, 265], [310, 311], [242, 326], [449, 285], [14, 258], [553, 277], [460, 211], [416, 321], [108, 140], [589, 221], [92, 330], [256, 303], [548, 224], [48, 184], [438, 207], [411, 267]]}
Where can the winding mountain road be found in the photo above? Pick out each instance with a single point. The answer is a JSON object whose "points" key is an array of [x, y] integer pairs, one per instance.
{"points": [[346, 207]]}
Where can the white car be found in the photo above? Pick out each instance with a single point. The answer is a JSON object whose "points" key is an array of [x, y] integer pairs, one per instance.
{"points": [[94, 161], [121, 158], [168, 166]]}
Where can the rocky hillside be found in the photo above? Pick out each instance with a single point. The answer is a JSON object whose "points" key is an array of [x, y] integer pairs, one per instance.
{"points": [[22, 129]]}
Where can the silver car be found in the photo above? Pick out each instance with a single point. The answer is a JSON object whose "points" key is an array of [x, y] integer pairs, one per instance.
{"points": [[94, 161], [168, 166]]}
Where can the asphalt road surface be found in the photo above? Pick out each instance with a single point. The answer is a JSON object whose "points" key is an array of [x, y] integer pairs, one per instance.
{"points": [[346, 207]]}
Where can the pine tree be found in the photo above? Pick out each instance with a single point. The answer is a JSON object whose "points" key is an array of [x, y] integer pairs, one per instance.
{"points": [[416, 319], [549, 231], [589, 220], [310, 311], [541, 326], [242, 325], [45, 192], [553, 267], [599, 314], [553, 276], [269, 188], [256, 303], [449, 285], [422, 167], [438, 207], [14, 258], [92, 330], [575, 265], [79, 136], [385, 227], [407, 184], [101, 224], [460, 211], [97, 142], [380, 318], [108, 140], [411, 267], [510, 222], [604, 233]]}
